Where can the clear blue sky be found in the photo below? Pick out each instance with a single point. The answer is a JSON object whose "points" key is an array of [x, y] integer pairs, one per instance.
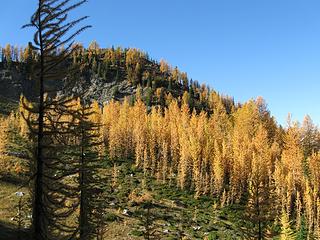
{"points": [[243, 48]]}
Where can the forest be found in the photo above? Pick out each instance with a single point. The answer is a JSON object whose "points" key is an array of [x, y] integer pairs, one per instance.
{"points": [[169, 159]]}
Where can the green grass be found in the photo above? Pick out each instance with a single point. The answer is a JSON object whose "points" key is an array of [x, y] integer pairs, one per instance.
{"points": [[174, 214]]}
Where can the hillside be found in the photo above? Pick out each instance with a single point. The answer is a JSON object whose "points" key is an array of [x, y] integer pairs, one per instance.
{"points": [[106, 74], [115, 74], [166, 157]]}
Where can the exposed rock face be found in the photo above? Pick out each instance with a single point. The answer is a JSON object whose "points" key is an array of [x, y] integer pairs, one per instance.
{"points": [[13, 83], [103, 91]]}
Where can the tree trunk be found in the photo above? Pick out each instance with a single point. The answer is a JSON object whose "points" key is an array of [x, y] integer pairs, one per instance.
{"points": [[38, 224], [83, 223]]}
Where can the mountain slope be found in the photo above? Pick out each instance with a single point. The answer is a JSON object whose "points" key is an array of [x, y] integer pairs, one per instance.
{"points": [[105, 74]]}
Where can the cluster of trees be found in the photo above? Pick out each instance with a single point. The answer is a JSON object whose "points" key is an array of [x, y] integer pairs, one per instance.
{"points": [[73, 191], [13, 147], [19, 57], [118, 64], [129, 64], [241, 157]]}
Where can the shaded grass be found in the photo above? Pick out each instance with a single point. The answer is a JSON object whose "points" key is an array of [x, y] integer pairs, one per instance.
{"points": [[10, 232], [7, 106]]}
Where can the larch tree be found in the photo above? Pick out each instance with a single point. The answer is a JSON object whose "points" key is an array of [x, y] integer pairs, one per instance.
{"points": [[4, 128], [110, 113], [52, 33], [218, 170], [8, 53], [196, 144], [174, 122], [298, 206], [184, 165], [164, 66], [114, 134], [176, 75], [153, 141], [140, 131], [246, 121], [125, 130], [4, 125], [260, 202], [92, 201], [163, 148], [220, 136], [292, 164], [286, 231], [309, 137], [314, 166]]}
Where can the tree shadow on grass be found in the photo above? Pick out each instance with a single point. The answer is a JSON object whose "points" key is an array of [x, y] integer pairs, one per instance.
{"points": [[10, 232], [13, 179]]}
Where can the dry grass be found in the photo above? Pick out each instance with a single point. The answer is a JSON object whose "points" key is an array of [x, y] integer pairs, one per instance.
{"points": [[122, 230], [9, 201], [9, 209]]}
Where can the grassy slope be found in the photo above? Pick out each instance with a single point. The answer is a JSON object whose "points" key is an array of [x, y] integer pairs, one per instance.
{"points": [[174, 214]]}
